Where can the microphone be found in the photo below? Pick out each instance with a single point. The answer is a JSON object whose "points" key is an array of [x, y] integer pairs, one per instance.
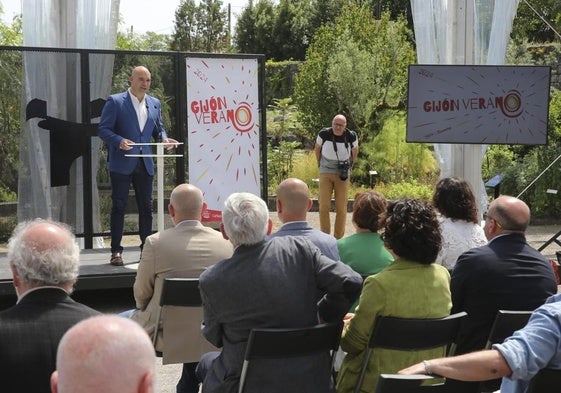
{"points": [[159, 138]]}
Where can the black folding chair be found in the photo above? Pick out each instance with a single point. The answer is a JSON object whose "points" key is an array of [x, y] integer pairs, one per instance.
{"points": [[546, 380], [289, 342], [411, 334], [177, 291], [505, 324]]}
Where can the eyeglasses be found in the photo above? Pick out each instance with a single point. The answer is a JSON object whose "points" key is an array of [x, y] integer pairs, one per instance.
{"points": [[487, 216], [339, 125]]}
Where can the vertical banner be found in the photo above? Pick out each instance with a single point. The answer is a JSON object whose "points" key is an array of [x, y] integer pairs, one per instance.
{"points": [[223, 129]]}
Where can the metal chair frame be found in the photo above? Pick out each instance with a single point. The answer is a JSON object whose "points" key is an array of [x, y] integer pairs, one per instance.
{"points": [[409, 334], [290, 342]]}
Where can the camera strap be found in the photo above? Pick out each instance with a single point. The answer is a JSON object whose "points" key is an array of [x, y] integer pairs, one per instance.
{"points": [[335, 144]]}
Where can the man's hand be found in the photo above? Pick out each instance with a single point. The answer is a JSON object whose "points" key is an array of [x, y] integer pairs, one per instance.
{"points": [[347, 319], [126, 144], [171, 143]]}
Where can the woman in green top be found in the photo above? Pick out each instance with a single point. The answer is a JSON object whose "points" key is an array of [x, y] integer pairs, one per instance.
{"points": [[413, 286], [364, 251]]}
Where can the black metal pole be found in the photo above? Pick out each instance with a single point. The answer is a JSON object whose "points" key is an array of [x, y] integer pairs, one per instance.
{"points": [[87, 158]]}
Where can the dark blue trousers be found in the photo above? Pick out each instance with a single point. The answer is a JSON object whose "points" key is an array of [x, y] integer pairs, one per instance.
{"points": [[188, 383], [142, 185]]}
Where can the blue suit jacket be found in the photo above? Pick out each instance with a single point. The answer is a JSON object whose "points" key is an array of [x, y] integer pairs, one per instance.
{"points": [[119, 121], [325, 242]]}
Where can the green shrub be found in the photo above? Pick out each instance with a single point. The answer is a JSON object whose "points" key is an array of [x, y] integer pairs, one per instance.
{"points": [[406, 189], [7, 195], [305, 168], [280, 78]]}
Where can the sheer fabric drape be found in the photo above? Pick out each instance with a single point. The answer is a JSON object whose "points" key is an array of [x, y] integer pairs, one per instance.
{"points": [[55, 78], [463, 32]]}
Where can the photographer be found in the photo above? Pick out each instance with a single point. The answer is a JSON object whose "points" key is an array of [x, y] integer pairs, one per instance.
{"points": [[336, 150]]}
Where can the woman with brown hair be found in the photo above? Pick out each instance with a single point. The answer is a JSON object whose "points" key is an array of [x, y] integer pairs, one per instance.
{"points": [[364, 250], [459, 220]]}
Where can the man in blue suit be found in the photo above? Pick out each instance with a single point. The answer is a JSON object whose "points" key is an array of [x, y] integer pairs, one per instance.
{"points": [[129, 118], [293, 204]]}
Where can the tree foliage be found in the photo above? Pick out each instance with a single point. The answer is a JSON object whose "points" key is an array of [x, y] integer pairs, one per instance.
{"points": [[283, 31], [11, 66], [530, 26], [201, 27], [149, 41], [394, 159], [254, 29], [356, 66]]}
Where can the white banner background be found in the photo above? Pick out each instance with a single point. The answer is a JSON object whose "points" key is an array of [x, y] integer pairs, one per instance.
{"points": [[223, 129]]}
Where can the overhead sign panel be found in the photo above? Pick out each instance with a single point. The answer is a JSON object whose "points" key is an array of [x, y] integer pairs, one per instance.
{"points": [[478, 104]]}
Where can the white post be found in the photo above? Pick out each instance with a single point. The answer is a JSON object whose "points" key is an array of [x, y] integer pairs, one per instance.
{"points": [[466, 159], [160, 155], [160, 185]]}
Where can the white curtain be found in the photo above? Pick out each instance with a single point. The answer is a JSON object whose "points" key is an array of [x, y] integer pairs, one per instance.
{"points": [[463, 32], [55, 79]]}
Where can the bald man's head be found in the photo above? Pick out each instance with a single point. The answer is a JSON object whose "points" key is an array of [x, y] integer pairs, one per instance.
{"points": [[187, 203], [106, 353], [140, 81], [293, 200], [507, 214]]}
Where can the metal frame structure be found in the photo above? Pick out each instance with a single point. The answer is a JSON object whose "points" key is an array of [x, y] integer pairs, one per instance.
{"points": [[179, 110]]}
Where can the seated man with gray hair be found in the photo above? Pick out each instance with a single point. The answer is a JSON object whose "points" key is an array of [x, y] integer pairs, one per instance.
{"points": [[268, 283], [44, 258]]}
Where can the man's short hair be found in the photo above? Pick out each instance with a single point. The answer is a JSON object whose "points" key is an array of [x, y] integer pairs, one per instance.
{"points": [[55, 265], [245, 218]]}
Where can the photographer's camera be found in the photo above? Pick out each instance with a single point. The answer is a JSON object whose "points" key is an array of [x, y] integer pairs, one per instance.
{"points": [[344, 170]]}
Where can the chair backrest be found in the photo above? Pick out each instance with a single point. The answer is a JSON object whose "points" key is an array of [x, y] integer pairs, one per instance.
{"points": [[291, 342], [546, 380], [505, 324], [177, 291], [396, 383], [411, 334], [414, 333]]}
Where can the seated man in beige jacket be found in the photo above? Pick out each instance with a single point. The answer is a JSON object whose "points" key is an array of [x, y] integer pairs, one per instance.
{"points": [[185, 250]]}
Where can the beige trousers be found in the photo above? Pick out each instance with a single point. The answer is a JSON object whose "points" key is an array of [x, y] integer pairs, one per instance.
{"points": [[330, 183]]}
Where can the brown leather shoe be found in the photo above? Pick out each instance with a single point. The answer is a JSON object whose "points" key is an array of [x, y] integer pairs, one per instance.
{"points": [[116, 259]]}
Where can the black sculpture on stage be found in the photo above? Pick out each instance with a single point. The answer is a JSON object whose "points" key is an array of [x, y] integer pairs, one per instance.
{"points": [[68, 140]]}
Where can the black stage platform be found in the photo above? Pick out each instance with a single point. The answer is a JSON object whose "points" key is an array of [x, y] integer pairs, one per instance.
{"points": [[100, 285]]}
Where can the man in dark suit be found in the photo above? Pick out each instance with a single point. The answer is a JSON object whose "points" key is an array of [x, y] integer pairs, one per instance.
{"points": [[268, 284], [506, 273], [128, 119], [293, 203], [44, 259]]}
